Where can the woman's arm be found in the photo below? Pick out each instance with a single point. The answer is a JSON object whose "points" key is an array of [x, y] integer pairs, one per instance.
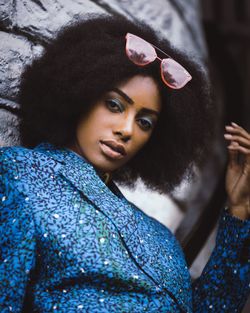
{"points": [[17, 241], [224, 284]]}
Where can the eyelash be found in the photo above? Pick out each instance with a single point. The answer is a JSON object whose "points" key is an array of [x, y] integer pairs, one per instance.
{"points": [[118, 104], [147, 127], [119, 108]]}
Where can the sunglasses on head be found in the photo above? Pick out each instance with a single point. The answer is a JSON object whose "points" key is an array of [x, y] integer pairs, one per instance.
{"points": [[141, 52]]}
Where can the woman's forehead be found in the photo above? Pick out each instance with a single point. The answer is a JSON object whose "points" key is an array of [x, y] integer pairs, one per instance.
{"points": [[141, 89]]}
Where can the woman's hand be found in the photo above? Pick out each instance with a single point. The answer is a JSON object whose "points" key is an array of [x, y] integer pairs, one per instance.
{"points": [[238, 171]]}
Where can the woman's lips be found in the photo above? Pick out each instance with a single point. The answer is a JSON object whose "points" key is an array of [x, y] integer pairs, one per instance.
{"points": [[112, 149]]}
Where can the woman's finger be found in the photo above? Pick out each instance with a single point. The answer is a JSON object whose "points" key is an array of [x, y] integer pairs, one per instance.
{"points": [[238, 131], [241, 149], [233, 158], [241, 140], [236, 125], [240, 128]]}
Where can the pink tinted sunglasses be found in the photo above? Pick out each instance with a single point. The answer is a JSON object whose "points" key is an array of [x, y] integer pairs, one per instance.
{"points": [[141, 52]]}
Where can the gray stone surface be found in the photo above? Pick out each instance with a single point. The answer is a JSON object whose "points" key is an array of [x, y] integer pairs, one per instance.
{"points": [[40, 19], [6, 9], [179, 21], [8, 129], [16, 52]]}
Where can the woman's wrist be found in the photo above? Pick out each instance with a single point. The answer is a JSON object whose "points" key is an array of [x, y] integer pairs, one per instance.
{"points": [[239, 211]]}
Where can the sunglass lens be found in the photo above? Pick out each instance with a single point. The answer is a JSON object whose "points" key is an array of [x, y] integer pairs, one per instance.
{"points": [[173, 74], [139, 51]]}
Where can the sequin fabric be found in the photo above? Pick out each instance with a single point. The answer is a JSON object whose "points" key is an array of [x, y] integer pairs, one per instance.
{"points": [[70, 244]]}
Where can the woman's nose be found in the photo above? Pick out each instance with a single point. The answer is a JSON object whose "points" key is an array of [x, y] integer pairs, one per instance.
{"points": [[124, 129]]}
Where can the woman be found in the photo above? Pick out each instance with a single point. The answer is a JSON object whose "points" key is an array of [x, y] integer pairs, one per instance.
{"points": [[98, 107]]}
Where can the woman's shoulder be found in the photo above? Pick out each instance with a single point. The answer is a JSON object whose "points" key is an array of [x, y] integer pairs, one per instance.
{"points": [[12, 151], [19, 159], [17, 155], [24, 170], [11, 157]]}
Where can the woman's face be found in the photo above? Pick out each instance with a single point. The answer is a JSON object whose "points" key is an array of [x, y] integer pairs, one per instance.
{"points": [[119, 124]]}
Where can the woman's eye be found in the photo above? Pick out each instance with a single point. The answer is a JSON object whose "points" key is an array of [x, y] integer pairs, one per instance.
{"points": [[114, 105], [145, 124]]}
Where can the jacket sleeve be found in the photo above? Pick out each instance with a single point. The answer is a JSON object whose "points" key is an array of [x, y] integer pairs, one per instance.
{"points": [[224, 284], [17, 240]]}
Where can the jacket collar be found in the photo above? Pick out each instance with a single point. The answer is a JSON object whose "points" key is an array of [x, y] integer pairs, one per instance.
{"points": [[83, 176]]}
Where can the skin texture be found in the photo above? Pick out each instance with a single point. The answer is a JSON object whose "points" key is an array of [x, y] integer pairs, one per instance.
{"points": [[124, 120], [238, 171]]}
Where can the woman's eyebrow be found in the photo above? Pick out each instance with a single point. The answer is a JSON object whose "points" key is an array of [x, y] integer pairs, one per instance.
{"points": [[129, 100], [146, 110], [123, 94]]}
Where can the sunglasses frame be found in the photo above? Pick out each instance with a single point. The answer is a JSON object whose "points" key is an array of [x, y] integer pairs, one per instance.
{"points": [[187, 75]]}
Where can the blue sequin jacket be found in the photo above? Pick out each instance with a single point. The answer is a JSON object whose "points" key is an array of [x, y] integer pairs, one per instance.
{"points": [[70, 244]]}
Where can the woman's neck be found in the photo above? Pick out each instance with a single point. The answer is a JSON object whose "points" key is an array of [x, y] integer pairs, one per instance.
{"points": [[105, 177]]}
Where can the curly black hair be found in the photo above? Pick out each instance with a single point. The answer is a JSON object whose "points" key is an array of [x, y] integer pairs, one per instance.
{"points": [[87, 59]]}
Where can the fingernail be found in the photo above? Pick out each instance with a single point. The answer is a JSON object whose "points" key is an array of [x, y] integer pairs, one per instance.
{"points": [[234, 124], [227, 136]]}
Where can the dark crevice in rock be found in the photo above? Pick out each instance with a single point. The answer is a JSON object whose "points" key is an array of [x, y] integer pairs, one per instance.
{"points": [[39, 3], [13, 12], [32, 38], [8, 103], [15, 111]]}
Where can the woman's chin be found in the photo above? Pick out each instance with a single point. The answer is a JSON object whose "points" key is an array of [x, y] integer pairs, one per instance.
{"points": [[106, 165]]}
